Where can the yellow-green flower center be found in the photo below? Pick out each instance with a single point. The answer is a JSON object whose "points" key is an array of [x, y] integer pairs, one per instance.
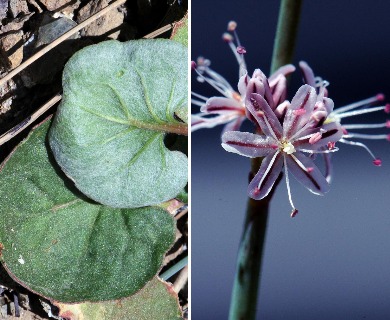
{"points": [[287, 147]]}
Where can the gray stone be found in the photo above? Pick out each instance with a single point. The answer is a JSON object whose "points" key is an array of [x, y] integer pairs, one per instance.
{"points": [[3, 9], [18, 7], [103, 25]]}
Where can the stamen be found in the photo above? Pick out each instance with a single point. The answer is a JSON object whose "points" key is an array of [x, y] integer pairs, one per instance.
{"points": [[367, 136], [387, 108], [232, 25], [237, 49], [193, 65], [202, 62], [241, 50], [377, 162], [328, 168], [359, 144], [315, 138], [377, 98], [227, 37], [359, 112], [219, 80], [368, 126], [197, 102], [301, 165], [199, 96], [331, 145], [380, 97], [295, 211], [212, 83], [318, 151]]}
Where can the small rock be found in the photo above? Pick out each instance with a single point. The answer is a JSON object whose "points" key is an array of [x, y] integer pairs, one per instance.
{"points": [[68, 11], [52, 28], [53, 5], [8, 88], [45, 69], [3, 9], [17, 7], [16, 24], [12, 45], [4, 64], [103, 25]]}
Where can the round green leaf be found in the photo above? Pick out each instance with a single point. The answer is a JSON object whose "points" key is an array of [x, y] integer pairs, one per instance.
{"points": [[155, 301], [65, 247], [119, 101]]}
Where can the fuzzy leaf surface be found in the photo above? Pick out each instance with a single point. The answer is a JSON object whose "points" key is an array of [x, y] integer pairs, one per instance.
{"points": [[65, 247], [180, 31], [156, 300], [119, 101]]}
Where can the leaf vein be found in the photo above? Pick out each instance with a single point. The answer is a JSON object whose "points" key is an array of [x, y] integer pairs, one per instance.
{"points": [[140, 151], [146, 97], [103, 116], [168, 112], [122, 104]]}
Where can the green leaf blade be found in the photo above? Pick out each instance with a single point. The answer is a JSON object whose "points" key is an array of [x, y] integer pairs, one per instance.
{"points": [[156, 300], [69, 249], [117, 110]]}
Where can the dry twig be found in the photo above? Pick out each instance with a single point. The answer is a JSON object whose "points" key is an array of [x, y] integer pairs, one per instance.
{"points": [[181, 280], [56, 42], [24, 124]]}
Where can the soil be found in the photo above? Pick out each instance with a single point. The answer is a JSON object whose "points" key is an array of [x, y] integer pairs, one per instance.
{"points": [[26, 26]]}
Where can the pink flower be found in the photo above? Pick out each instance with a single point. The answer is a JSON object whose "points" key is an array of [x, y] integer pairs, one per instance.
{"points": [[354, 109], [229, 109], [284, 145]]}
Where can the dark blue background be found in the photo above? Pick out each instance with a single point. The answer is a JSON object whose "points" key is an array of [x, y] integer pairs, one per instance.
{"points": [[333, 260]]}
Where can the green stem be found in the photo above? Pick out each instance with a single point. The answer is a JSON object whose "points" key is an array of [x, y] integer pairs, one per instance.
{"points": [[174, 269], [246, 282], [288, 21]]}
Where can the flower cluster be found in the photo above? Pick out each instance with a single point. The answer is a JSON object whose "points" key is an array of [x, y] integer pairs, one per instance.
{"points": [[288, 134]]}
